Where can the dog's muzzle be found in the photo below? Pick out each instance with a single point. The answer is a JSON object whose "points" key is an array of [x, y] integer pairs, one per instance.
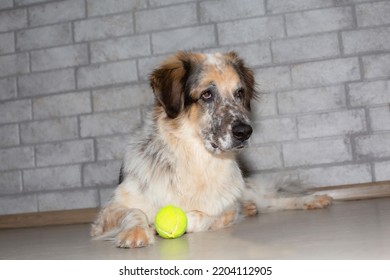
{"points": [[241, 131]]}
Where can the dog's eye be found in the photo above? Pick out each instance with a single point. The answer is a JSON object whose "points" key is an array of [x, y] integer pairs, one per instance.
{"points": [[207, 96], [239, 94]]}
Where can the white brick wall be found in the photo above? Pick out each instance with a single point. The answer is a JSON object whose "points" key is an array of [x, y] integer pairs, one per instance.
{"points": [[316, 152], [382, 171], [6, 4], [121, 48], [47, 82], [109, 123], [282, 6], [73, 87], [47, 36], [265, 157], [249, 30], [290, 50], [9, 135], [109, 99], [67, 104], [370, 14], [68, 200], [7, 88], [7, 43], [273, 78], [173, 40], [106, 74], [379, 117], [65, 153], [376, 66], [154, 19], [369, 93], [14, 64], [101, 174], [15, 111], [257, 54], [105, 7], [56, 12], [109, 148], [52, 178], [16, 158], [361, 41], [319, 21], [11, 182], [25, 204], [374, 146], [337, 175], [13, 19], [267, 107], [325, 72], [104, 27], [59, 57], [311, 100], [212, 11], [331, 124], [48, 130], [274, 130]]}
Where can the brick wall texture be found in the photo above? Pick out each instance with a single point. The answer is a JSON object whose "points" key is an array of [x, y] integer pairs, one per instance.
{"points": [[73, 87]]}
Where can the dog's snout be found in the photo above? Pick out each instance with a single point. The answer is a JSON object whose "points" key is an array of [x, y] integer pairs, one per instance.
{"points": [[242, 131]]}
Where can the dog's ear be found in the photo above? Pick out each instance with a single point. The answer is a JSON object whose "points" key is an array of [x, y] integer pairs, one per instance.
{"points": [[246, 76], [168, 82]]}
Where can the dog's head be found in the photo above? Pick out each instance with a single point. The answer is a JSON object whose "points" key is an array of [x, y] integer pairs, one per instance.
{"points": [[214, 91]]}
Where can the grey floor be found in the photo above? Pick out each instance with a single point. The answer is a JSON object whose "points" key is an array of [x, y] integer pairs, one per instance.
{"points": [[346, 230]]}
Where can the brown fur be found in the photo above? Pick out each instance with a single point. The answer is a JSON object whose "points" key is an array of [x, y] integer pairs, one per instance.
{"points": [[186, 154]]}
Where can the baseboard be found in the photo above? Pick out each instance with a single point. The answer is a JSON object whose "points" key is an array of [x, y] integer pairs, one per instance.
{"points": [[66, 217], [84, 216], [357, 191]]}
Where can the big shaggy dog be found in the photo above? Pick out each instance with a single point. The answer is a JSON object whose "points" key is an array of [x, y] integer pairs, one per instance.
{"points": [[186, 154]]}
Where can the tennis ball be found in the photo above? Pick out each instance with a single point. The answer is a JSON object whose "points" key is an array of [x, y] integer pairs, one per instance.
{"points": [[170, 222]]}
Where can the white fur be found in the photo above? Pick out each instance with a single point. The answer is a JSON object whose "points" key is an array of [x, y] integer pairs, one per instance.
{"points": [[190, 162]]}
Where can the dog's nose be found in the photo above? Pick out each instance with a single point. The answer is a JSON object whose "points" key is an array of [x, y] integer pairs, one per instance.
{"points": [[242, 131]]}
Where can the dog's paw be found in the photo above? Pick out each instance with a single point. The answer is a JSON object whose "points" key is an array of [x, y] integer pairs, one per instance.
{"points": [[249, 209], [135, 237], [318, 202]]}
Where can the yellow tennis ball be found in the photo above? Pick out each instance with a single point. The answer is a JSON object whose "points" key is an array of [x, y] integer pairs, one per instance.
{"points": [[170, 222]]}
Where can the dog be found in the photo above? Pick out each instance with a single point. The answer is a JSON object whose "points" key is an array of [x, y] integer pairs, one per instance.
{"points": [[186, 154]]}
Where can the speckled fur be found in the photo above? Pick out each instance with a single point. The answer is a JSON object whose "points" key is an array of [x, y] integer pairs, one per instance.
{"points": [[185, 154]]}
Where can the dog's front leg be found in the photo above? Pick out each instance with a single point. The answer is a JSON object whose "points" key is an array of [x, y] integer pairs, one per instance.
{"points": [[135, 230], [199, 221], [129, 227]]}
